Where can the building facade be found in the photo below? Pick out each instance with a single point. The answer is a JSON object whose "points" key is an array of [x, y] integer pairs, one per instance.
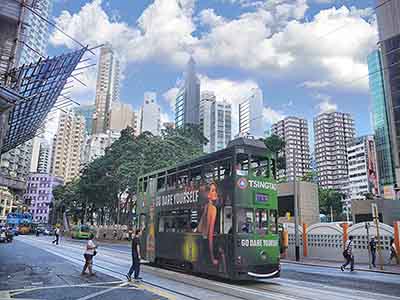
{"points": [[96, 145], [122, 116], [107, 88], [380, 120], [215, 122], [187, 106], [44, 158], [251, 115], [67, 146], [294, 132], [150, 114], [333, 132], [87, 111], [7, 203], [39, 195], [388, 17], [363, 171]]}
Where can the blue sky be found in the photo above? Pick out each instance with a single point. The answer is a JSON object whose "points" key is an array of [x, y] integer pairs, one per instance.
{"points": [[304, 54]]}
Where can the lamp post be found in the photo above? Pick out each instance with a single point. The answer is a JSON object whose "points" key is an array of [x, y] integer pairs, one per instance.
{"points": [[296, 210]]}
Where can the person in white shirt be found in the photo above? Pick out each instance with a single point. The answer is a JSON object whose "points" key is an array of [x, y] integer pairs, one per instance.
{"points": [[348, 255], [57, 236], [90, 252]]}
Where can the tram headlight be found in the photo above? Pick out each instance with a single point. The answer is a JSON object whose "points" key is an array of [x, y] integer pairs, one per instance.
{"points": [[239, 260], [263, 255]]}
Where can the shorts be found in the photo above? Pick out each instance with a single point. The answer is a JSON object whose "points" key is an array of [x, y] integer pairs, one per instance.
{"points": [[88, 257]]}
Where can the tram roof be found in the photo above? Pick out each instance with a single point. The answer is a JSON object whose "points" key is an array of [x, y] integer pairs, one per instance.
{"points": [[217, 155]]}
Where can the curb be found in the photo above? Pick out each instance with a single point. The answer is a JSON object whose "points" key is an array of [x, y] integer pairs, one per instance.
{"points": [[333, 267]]}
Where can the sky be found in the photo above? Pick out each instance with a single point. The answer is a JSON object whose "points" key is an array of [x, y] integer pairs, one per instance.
{"points": [[307, 56]]}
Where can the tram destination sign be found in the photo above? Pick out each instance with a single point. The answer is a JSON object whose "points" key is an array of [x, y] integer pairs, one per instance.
{"points": [[258, 243], [177, 198]]}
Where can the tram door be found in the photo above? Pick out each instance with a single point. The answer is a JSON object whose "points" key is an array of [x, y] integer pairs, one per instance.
{"points": [[148, 222]]}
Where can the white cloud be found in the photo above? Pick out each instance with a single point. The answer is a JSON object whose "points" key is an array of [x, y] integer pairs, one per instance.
{"points": [[315, 84], [170, 97], [326, 104], [271, 116], [272, 36]]}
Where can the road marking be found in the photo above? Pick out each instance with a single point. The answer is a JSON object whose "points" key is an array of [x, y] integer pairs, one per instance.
{"points": [[5, 295], [102, 292], [157, 291]]}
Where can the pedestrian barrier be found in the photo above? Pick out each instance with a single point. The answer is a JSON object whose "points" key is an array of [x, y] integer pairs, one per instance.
{"points": [[324, 241]]}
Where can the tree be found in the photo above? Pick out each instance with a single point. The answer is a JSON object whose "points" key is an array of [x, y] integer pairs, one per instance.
{"points": [[330, 199], [277, 145], [309, 176]]}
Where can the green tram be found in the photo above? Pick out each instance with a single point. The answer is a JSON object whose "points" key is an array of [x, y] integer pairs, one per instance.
{"points": [[215, 215]]}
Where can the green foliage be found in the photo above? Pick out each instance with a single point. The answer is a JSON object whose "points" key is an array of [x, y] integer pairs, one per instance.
{"points": [[103, 181], [310, 176], [277, 145], [329, 198]]}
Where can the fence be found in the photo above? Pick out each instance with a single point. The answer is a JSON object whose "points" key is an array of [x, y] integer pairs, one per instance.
{"points": [[324, 241]]}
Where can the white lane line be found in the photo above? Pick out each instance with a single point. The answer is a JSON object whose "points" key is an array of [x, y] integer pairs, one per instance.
{"points": [[102, 292]]}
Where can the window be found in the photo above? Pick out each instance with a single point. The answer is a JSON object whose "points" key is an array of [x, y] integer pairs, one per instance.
{"points": [[273, 221], [261, 221], [177, 221], [227, 220], [242, 164], [245, 221], [260, 166]]}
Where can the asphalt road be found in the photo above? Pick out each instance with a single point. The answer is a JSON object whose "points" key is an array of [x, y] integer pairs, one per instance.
{"points": [[297, 281]]}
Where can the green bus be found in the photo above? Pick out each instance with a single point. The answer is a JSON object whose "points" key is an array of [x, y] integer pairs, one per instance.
{"points": [[216, 214], [81, 232]]}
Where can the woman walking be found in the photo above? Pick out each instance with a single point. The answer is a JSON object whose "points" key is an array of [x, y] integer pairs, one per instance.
{"points": [[90, 252], [393, 252]]}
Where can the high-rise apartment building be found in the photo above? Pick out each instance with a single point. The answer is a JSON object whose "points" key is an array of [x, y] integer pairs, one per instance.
{"points": [[122, 116], [39, 195], [96, 145], [251, 115], [67, 146], [388, 16], [44, 158], [380, 120], [87, 111], [187, 106], [215, 122], [150, 114], [333, 132], [15, 164], [363, 171], [107, 88], [294, 132]]}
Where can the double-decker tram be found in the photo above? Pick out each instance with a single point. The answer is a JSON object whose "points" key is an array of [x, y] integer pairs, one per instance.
{"points": [[216, 214]]}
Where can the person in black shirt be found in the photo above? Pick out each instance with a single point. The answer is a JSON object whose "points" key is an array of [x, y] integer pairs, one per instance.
{"points": [[372, 248], [135, 257]]}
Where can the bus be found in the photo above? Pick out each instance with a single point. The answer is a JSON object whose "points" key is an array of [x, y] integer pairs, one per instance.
{"points": [[20, 222], [215, 215], [81, 232]]}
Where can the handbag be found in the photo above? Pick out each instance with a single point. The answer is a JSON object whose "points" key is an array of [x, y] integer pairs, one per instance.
{"points": [[94, 253]]}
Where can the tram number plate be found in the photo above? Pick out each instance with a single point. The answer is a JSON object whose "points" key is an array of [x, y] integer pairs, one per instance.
{"points": [[261, 198]]}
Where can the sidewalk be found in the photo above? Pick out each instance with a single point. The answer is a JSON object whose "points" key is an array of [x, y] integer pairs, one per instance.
{"points": [[389, 269]]}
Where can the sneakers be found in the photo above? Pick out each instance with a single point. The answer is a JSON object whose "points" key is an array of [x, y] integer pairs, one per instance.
{"points": [[341, 268], [128, 277]]}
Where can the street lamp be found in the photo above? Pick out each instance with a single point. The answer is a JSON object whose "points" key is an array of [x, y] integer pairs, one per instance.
{"points": [[296, 210]]}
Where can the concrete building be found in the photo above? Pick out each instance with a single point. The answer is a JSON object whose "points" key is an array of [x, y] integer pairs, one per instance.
{"points": [[150, 114], [97, 144], [215, 122], [44, 162], [107, 89], [251, 115], [87, 111], [388, 17], [7, 204], [308, 200], [122, 116], [380, 120], [389, 210], [15, 164], [187, 107], [67, 146], [333, 132], [294, 132], [39, 195], [363, 171]]}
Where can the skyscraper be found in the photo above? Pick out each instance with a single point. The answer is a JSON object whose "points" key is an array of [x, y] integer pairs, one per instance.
{"points": [[215, 122], [87, 112], [95, 145], [44, 158], [333, 132], [388, 16], [67, 146], [122, 116], [187, 106], [294, 132], [150, 115], [251, 114], [107, 88], [380, 120]]}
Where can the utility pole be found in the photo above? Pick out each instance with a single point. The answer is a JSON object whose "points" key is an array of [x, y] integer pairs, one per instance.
{"points": [[296, 210], [375, 216], [367, 225]]}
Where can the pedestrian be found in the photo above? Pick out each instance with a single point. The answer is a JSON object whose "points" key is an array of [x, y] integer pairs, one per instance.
{"points": [[372, 248], [57, 236], [135, 257], [393, 251], [90, 252], [348, 255]]}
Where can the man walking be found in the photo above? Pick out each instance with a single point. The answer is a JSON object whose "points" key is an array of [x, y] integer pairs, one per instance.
{"points": [[135, 257], [57, 235], [372, 248], [348, 255]]}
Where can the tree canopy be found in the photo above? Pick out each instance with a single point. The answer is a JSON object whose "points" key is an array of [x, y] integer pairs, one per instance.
{"points": [[329, 198]]}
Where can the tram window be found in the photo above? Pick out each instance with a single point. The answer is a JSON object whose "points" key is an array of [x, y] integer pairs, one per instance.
{"points": [[227, 220], [182, 179], [273, 221], [245, 221], [261, 221], [161, 183], [171, 181], [142, 221], [210, 173], [242, 163], [161, 224], [224, 169], [259, 166], [145, 185], [273, 168]]}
